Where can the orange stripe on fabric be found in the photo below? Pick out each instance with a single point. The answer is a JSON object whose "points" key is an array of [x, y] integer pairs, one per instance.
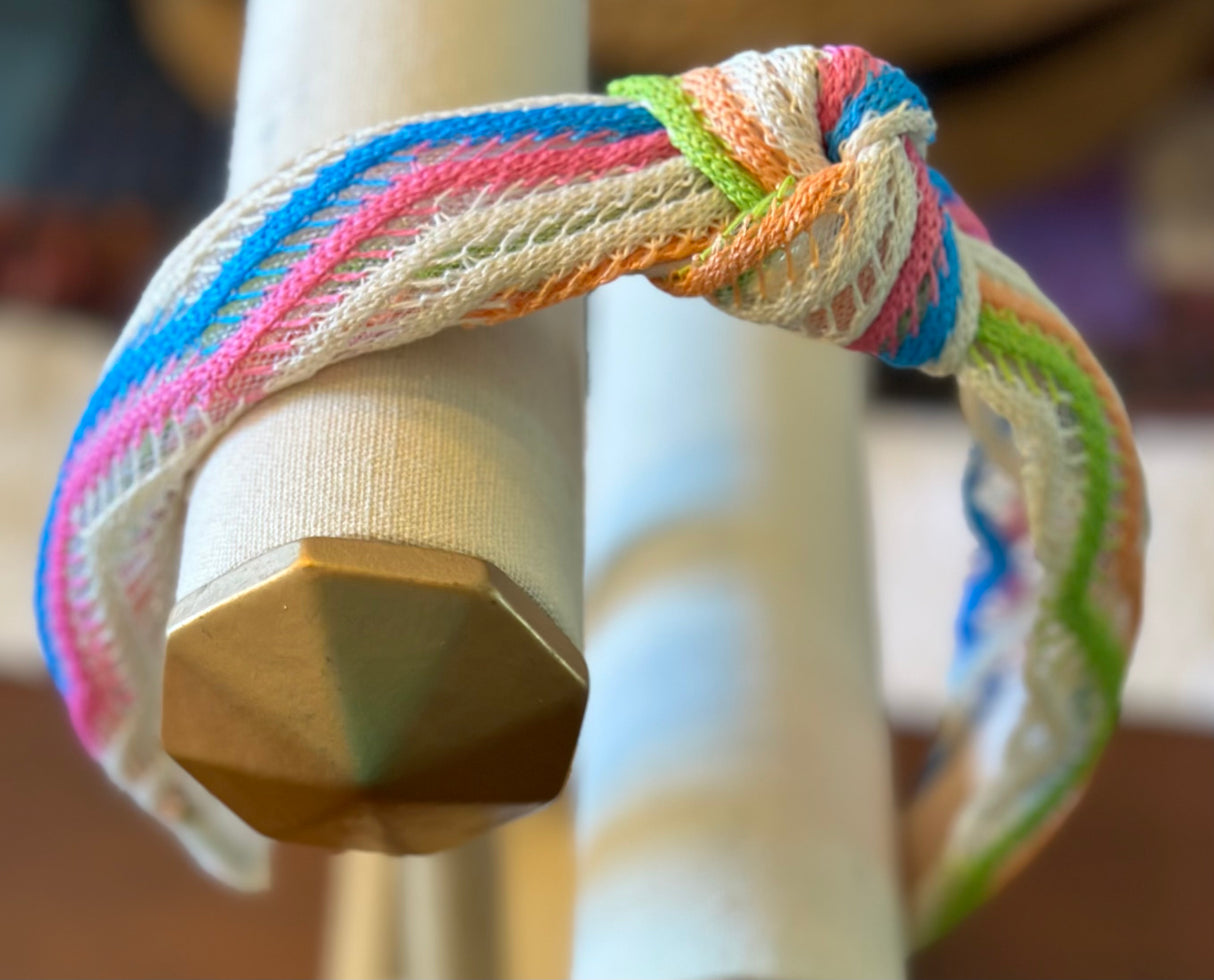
{"points": [[727, 115], [1129, 552], [757, 238], [515, 303]]}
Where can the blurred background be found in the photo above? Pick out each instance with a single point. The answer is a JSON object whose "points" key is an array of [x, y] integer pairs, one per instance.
{"points": [[1081, 130]]}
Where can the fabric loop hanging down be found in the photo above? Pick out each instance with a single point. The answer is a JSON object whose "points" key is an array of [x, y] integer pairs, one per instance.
{"points": [[788, 188]]}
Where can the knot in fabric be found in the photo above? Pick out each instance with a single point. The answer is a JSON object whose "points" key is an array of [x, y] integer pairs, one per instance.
{"points": [[787, 188], [842, 231]]}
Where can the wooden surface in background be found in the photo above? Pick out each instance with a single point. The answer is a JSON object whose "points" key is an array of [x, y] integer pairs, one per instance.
{"points": [[89, 887], [1126, 889]]}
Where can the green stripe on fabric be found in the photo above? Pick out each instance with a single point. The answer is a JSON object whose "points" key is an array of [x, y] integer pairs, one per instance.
{"points": [[1010, 339], [1005, 335], [664, 97]]}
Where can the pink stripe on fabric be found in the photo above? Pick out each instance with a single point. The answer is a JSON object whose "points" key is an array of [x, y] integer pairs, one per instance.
{"points": [[841, 74], [882, 333], [965, 219], [201, 383]]}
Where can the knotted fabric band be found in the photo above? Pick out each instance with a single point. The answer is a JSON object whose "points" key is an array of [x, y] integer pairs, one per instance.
{"points": [[787, 188]]}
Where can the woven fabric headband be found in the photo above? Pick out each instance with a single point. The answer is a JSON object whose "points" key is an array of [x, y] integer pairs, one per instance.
{"points": [[788, 189]]}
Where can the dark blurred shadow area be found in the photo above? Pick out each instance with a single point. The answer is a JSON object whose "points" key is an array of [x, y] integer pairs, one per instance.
{"points": [[1081, 130], [104, 161]]}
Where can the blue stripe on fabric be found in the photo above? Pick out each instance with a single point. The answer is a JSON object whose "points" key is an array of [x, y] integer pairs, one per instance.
{"points": [[943, 187], [54, 665], [992, 548], [186, 326], [938, 319], [577, 122], [42, 619], [882, 93]]}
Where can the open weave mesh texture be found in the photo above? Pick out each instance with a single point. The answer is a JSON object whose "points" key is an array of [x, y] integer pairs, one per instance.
{"points": [[789, 188]]}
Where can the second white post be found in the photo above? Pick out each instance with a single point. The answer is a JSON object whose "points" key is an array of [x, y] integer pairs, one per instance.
{"points": [[734, 809]]}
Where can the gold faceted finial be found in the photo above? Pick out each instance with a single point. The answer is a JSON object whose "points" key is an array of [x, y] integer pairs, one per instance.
{"points": [[371, 696]]}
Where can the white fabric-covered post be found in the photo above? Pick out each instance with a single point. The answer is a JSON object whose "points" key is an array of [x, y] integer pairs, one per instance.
{"points": [[449, 443], [469, 441], [734, 801]]}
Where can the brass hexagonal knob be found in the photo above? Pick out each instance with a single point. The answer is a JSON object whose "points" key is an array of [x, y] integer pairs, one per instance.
{"points": [[372, 696]]}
